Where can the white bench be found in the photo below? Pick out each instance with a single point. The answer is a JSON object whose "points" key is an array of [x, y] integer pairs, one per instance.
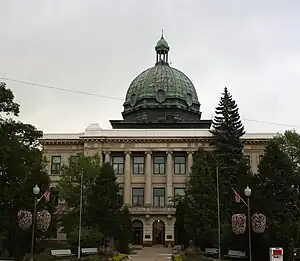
{"points": [[236, 254], [211, 251], [89, 250], [61, 252]]}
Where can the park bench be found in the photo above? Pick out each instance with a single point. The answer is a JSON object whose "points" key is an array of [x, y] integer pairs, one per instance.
{"points": [[236, 254], [89, 250], [211, 251], [61, 252]]}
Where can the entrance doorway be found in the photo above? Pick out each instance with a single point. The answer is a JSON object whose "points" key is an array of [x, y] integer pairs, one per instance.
{"points": [[137, 232], [158, 235]]}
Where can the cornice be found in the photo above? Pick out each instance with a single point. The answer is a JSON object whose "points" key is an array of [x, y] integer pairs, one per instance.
{"points": [[82, 141]]}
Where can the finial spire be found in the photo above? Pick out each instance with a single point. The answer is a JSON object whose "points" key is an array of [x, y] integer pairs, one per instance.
{"points": [[162, 33]]}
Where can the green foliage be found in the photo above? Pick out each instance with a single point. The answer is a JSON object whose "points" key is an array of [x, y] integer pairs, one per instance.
{"points": [[69, 188], [103, 205], [181, 235], [89, 238], [201, 211], [21, 167], [124, 235], [118, 257], [279, 201]]}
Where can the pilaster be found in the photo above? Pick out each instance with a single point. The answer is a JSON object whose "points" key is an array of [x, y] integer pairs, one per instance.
{"points": [[169, 172], [107, 157], [148, 179], [189, 161], [127, 179]]}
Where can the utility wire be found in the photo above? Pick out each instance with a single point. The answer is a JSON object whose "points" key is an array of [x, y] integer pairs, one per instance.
{"points": [[118, 99]]}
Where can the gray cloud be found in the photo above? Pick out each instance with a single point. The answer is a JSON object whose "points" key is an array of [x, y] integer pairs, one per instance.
{"points": [[252, 47]]}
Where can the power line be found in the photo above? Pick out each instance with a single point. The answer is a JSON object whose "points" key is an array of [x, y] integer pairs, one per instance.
{"points": [[118, 99], [60, 89]]}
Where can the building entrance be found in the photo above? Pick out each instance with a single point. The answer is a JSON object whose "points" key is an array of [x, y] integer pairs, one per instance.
{"points": [[158, 235], [137, 232]]}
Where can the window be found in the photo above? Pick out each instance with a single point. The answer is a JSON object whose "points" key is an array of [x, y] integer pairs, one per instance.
{"points": [[159, 165], [138, 165], [137, 197], [159, 197], [118, 164], [121, 196], [73, 160], [179, 165], [179, 192], [248, 160], [55, 164]]}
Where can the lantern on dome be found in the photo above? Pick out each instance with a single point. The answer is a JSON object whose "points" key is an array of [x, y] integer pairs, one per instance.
{"points": [[238, 223], [259, 222], [43, 220], [24, 219]]}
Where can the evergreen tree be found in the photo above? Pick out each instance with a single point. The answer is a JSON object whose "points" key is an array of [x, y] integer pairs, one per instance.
{"points": [[103, 203], [274, 186], [226, 140], [124, 235], [201, 212]]}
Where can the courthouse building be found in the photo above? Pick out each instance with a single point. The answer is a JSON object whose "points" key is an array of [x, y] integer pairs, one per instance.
{"points": [[151, 149]]}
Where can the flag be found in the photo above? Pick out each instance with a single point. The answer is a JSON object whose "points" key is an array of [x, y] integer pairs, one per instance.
{"points": [[47, 196], [237, 197]]}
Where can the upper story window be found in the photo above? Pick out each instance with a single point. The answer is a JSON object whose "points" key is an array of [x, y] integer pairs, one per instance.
{"points": [[72, 160], [138, 164], [118, 164], [180, 165], [137, 197], [159, 165], [179, 192], [248, 160], [159, 197], [121, 196], [55, 164]]}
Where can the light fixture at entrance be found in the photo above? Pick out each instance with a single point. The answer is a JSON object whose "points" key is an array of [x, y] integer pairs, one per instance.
{"points": [[158, 220]]}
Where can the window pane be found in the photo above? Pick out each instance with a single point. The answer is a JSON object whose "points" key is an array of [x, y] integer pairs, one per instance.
{"points": [[162, 169], [162, 201], [141, 168], [137, 192], [179, 192], [56, 159], [156, 169], [182, 168], [176, 169], [138, 160], [179, 159], [118, 159], [158, 192], [159, 159]]}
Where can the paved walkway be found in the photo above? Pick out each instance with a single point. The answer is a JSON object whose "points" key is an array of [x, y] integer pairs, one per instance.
{"points": [[152, 254]]}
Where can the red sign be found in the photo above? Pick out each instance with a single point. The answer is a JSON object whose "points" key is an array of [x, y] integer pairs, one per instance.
{"points": [[277, 252]]}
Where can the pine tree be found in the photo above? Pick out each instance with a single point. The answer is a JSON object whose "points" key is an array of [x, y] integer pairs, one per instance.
{"points": [[226, 140], [201, 211], [103, 203]]}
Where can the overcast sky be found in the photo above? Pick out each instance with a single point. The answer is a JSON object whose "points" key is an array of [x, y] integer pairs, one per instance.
{"points": [[98, 47]]}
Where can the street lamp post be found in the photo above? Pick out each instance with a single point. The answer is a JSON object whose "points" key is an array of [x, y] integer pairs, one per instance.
{"points": [[248, 194], [36, 191]]}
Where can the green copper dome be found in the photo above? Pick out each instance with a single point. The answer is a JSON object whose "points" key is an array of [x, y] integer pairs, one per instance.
{"points": [[163, 89]]}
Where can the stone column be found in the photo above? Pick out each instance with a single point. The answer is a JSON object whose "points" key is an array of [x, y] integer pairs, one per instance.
{"points": [[169, 172], [148, 180], [189, 162], [107, 157], [127, 179]]}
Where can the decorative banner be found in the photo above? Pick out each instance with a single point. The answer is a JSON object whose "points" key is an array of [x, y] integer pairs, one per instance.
{"points": [[24, 219], [43, 220], [238, 223], [259, 223]]}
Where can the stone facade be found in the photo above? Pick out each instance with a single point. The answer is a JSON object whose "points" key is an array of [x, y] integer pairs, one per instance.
{"points": [[151, 166]]}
